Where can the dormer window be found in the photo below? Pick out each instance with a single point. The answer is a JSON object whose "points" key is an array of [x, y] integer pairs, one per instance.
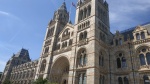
{"points": [[120, 41], [116, 42], [142, 35], [137, 36]]}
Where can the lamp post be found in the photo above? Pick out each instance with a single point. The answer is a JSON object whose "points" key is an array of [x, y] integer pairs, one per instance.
{"points": [[129, 45]]}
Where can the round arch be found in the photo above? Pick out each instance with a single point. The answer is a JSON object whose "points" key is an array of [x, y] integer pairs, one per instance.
{"points": [[60, 70]]}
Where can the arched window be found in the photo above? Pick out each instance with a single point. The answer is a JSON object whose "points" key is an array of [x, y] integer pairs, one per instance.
{"points": [[116, 42], [102, 79], [142, 59], [145, 77], [81, 15], [85, 13], [121, 61], [46, 50], [31, 75], [43, 65], [80, 79], [137, 36], [124, 62], [126, 81], [66, 33], [120, 80], [118, 63], [81, 60], [148, 58], [82, 57], [65, 82], [89, 10], [84, 78], [120, 41], [85, 35], [101, 59], [142, 35], [70, 42], [81, 36], [144, 55]]}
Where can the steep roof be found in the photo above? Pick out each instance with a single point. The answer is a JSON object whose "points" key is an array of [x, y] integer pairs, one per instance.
{"points": [[22, 52], [128, 32], [63, 7]]}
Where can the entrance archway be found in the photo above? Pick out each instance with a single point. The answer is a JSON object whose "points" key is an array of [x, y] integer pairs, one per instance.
{"points": [[60, 71]]}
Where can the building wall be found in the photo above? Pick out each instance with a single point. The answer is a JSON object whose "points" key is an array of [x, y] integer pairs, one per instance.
{"points": [[87, 52]]}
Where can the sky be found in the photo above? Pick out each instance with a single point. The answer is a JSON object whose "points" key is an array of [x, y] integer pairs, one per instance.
{"points": [[23, 23]]}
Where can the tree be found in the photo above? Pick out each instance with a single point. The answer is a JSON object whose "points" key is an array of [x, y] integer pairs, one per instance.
{"points": [[7, 81], [42, 81]]}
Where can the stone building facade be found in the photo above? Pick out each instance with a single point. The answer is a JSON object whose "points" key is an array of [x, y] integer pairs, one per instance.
{"points": [[87, 52]]}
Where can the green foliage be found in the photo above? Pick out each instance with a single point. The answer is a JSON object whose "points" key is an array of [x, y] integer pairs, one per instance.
{"points": [[7, 81], [42, 81]]}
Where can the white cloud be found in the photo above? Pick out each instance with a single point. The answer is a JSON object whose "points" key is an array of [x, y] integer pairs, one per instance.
{"points": [[9, 15], [122, 12], [4, 13]]}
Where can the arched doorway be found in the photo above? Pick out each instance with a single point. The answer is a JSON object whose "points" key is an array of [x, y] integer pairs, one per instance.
{"points": [[60, 70]]}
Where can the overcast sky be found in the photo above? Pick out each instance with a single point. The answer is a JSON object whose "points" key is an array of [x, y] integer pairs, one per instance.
{"points": [[23, 22]]}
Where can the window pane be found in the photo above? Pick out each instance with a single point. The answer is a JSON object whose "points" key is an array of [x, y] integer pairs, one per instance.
{"points": [[103, 80], [124, 64], [99, 60], [137, 37], [116, 42], [120, 41], [85, 59], [142, 35], [81, 59], [126, 81], [148, 58], [120, 80], [84, 79], [102, 61], [142, 59], [145, 77], [118, 63], [80, 79]]}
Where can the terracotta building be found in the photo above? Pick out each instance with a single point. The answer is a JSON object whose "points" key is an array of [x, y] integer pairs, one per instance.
{"points": [[86, 52]]}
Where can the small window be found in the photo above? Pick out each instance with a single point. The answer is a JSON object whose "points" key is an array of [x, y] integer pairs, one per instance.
{"points": [[137, 36], [142, 35], [120, 80], [142, 59], [120, 41], [116, 42]]}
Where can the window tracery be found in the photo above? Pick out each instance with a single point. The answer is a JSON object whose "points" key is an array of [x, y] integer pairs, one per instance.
{"points": [[84, 13], [101, 59], [82, 78], [144, 56], [82, 58], [121, 61], [43, 66], [123, 80], [102, 79], [83, 35]]}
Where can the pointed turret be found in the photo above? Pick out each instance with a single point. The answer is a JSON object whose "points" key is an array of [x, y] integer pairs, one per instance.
{"points": [[61, 14], [63, 7]]}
